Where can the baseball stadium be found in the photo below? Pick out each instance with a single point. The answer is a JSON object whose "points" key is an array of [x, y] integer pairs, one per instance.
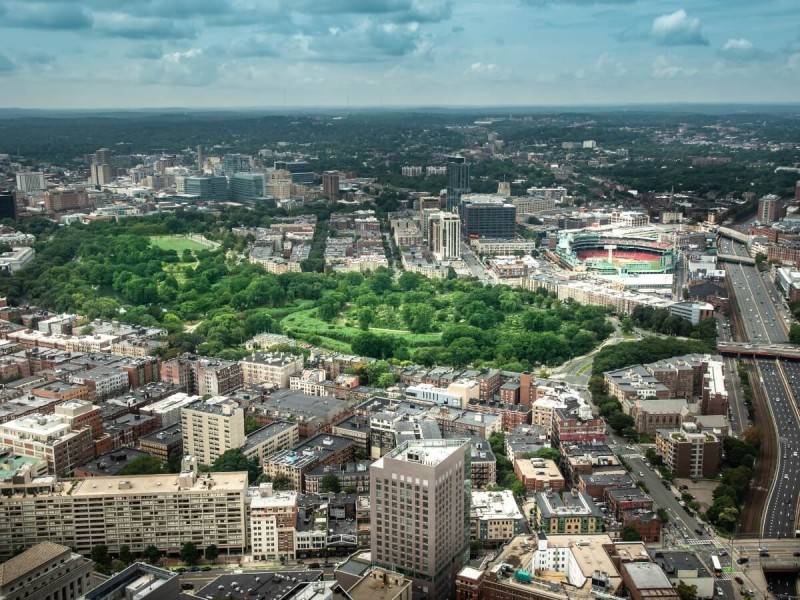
{"points": [[601, 255]]}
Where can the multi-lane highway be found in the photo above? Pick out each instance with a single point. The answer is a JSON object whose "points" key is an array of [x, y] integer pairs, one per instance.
{"points": [[762, 320], [781, 379]]}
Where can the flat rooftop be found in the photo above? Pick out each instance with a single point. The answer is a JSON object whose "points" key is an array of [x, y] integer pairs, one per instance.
{"points": [[132, 485], [264, 584], [167, 436]]}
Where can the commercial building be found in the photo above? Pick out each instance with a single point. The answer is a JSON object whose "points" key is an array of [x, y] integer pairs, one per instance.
{"points": [[8, 205], [787, 280], [495, 517], [444, 235], [531, 205], [206, 188], [419, 510], [139, 581], [689, 452], [487, 216], [686, 567], [566, 512], [169, 409], [247, 188], [771, 208], [352, 476], [61, 199], [30, 181], [212, 427], [47, 571], [235, 163], [165, 511], [646, 581], [266, 367], [580, 559], [50, 439], [457, 181], [330, 185]]}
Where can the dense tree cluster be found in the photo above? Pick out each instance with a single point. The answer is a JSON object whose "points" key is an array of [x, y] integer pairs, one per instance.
{"points": [[647, 350], [660, 320]]}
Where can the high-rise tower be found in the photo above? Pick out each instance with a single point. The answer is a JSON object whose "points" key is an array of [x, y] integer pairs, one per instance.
{"points": [[420, 506], [457, 181]]}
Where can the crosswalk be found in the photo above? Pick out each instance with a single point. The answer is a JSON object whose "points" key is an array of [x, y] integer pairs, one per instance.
{"points": [[701, 543], [634, 455]]}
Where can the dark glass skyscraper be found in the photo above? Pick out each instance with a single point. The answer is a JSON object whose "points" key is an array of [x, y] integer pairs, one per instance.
{"points": [[8, 205], [457, 181]]}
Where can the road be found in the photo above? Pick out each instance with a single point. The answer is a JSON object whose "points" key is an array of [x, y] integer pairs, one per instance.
{"points": [[737, 409], [474, 265]]}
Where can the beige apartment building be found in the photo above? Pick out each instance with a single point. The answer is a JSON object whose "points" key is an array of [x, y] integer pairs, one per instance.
{"points": [[212, 427], [268, 367], [165, 511], [420, 499], [273, 518]]}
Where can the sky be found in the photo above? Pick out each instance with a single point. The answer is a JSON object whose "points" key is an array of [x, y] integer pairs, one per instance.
{"points": [[316, 53]]}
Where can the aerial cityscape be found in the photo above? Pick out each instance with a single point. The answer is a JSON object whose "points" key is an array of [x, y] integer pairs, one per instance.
{"points": [[360, 301]]}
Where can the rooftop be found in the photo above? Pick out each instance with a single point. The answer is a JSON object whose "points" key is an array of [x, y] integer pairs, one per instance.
{"points": [[153, 484], [166, 436], [27, 561], [265, 584], [111, 463], [487, 506], [647, 576], [265, 433]]}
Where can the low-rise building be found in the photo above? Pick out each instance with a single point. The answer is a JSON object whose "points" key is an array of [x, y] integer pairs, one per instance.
{"points": [[140, 581], [352, 476], [169, 409], [539, 475], [566, 512], [269, 439], [685, 567], [646, 581], [164, 442], [267, 367], [323, 449], [689, 452], [50, 439], [494, 517]]}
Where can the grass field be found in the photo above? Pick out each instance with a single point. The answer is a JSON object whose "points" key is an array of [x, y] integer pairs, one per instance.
{"points": [[178, 243], [304, 323]]}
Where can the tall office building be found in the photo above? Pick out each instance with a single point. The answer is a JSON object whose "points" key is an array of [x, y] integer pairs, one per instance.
{"points": [[457, 181], [8, 205], [419, 509], [101, 174], [771, 208], [206, 188], [30, 182], [330, 185], [444, 235], [300, 171], [247, 187], [104, 156], [487, 216], [235, 163]]}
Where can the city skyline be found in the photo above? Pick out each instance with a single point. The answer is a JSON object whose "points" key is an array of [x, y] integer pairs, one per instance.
{"points": [[312, 53]]}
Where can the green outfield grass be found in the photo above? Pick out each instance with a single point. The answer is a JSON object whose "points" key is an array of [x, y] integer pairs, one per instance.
{"points": [[178, 243]]}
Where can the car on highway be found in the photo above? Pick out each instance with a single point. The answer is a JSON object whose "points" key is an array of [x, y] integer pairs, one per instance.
{"points": [[719, 591]]}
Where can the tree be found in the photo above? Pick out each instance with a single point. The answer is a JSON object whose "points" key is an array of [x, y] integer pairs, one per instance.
{"points": [[143, 465], [686, 592], [663, 515], [280, 483], [125, 554], [174, 462], [189, 553], [629, 533], [100, 556], [548, 454], [365, 317], [330, 483], [235, 460], [212, 552], [151, 554], [251, 424]]}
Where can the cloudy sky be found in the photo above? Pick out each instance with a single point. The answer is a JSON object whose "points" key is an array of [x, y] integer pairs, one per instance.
{"points": [[230, 53]]}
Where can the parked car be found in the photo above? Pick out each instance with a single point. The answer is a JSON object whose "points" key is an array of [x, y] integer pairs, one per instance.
{"points": [[742, 560], [738, 580]]}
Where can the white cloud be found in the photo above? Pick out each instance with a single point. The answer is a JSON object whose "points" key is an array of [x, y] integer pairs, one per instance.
{"points": [[741, 52], [678, 29], [663, 68]]}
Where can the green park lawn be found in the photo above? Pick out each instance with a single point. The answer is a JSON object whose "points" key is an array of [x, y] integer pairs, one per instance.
{"points": [[304, 323], [178, 243]]}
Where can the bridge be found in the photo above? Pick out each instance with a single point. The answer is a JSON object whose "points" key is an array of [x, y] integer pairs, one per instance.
{"points": [[769, 350], [732, 258]]}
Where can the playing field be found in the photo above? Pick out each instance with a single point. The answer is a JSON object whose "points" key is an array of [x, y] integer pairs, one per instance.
{"points": [[178, 243]]}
